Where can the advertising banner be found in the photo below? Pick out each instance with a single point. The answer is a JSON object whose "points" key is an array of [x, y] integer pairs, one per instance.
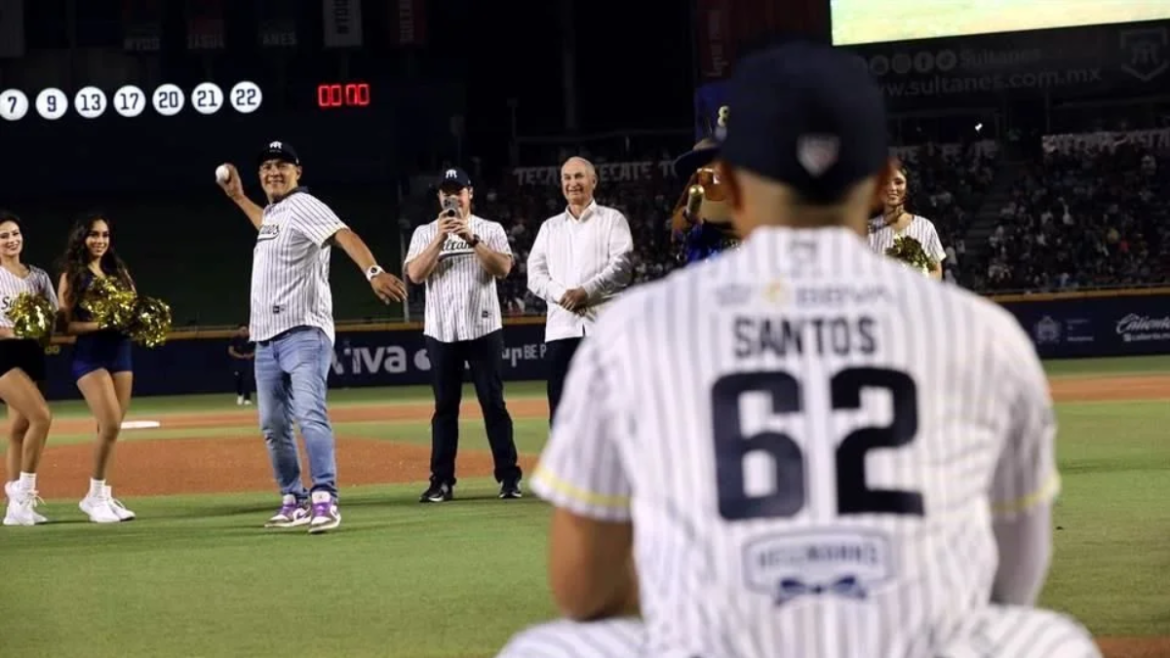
{"points": [[205, 25], [714, 39], [277, 24], [406, 22], [1154, 140], [342, 23], [1066, 63], [11, 28], [141, 25], [360, 358], [1118, 325], [609, 171], [1097, 326]]}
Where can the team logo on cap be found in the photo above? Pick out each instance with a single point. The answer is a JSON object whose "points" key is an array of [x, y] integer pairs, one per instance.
{"points": [[817, 153], [721, 123], [276, 145], [452, 174]]}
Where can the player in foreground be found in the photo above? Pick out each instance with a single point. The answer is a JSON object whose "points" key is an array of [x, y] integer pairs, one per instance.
{"points": [[785, 439], [101, 358]]}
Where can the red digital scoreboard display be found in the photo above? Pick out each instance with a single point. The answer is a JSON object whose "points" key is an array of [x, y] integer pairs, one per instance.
{"points": [[350, 94]]}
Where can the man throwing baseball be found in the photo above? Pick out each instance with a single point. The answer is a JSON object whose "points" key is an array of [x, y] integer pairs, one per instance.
{"points": [[292, 325], [779, 453]]}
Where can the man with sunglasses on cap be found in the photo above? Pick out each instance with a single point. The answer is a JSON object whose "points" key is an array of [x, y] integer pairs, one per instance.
{"points": [[292, 326], [824, 474]]}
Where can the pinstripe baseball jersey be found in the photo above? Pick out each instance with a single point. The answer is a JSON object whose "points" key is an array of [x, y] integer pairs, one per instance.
{"points": [[290, 267], [11, 286], [882, 237], [594, 252], [461, 298], [810, 440]]}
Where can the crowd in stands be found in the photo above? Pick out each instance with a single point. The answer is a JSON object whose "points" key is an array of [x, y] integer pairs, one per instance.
{"points": [[1080, 216], [1083, 217]]}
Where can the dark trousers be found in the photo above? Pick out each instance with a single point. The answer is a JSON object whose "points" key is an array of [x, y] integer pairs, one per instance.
{"points": [[245, 380], [485, 356], [559, 354]]}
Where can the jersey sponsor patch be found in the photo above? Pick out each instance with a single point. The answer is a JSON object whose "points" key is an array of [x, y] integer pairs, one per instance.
{"points": [[843, 563], [455, 247], [268, 232]]}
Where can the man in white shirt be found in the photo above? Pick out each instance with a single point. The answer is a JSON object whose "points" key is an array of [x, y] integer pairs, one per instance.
{"points": [[459, 256], [581, 258]]}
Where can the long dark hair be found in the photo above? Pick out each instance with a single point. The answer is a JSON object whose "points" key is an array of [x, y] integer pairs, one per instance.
{"points": [[74, 263]]}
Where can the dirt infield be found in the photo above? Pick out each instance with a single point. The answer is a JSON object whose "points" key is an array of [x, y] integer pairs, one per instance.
{"points": [[240, 464]]}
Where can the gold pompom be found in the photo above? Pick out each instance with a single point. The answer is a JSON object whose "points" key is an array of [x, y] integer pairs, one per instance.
{"points": [[33, 316], [110, 303], [151, 322], [910, 251]]}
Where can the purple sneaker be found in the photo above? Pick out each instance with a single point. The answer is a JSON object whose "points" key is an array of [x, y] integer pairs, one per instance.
{"points": [[291, 514], [325, 515]]}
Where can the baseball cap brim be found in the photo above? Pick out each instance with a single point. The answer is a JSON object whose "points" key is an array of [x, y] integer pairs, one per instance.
{"points": [[690, 162], [703, 154]]}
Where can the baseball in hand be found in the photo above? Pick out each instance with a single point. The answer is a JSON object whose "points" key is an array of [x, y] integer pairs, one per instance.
{"points": [[222, 173]]}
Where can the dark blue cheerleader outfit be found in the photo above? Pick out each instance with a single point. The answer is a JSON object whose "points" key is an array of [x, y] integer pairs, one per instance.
{"points": [[106, 348]]}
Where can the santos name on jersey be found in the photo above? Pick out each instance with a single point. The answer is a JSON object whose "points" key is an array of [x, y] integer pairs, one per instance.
{"points": [[809, 439]]}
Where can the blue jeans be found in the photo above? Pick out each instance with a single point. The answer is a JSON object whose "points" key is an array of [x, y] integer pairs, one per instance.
{"points": [[292, 372]]}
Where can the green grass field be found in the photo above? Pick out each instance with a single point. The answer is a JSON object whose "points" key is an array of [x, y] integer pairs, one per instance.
{"points": [[197, 576]]}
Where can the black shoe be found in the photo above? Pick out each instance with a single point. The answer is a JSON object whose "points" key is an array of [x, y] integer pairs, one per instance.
{"points": [[511, 489], [436, 493]]}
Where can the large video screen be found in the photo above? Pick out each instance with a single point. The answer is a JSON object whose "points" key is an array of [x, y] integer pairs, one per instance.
{"points": [[875, 21]]}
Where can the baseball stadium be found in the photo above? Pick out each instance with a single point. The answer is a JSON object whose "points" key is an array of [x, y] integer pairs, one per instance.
{"points": [[1049, 199]]}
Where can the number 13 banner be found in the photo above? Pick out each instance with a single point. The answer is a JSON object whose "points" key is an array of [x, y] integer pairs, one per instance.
{"points": [[11, 28]]}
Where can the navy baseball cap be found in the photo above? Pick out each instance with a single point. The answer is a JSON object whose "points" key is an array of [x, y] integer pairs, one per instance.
{"points": [[282, 151], [454, 178], [809, 116]]}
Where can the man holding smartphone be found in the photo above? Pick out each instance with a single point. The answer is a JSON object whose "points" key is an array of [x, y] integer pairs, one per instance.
{"points": [[459, 256]]}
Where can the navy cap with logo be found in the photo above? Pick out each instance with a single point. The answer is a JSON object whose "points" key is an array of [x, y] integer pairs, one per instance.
{"points": [[809, 116], [454, 178], [281, 151]]}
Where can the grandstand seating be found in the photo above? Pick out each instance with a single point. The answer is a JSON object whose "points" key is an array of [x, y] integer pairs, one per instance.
{"points": [[1090, 212]]}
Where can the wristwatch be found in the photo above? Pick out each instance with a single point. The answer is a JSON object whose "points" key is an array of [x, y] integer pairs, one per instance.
{"points": [[373, 271], [473, 241]]}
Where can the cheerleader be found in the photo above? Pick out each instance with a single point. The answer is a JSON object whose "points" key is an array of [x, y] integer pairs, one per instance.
{"points": [[101, 357], [22, 371], [895, 222]]}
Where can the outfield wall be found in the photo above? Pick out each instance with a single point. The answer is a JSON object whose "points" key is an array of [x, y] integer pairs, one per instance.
{"points": [[1067, 325]]}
